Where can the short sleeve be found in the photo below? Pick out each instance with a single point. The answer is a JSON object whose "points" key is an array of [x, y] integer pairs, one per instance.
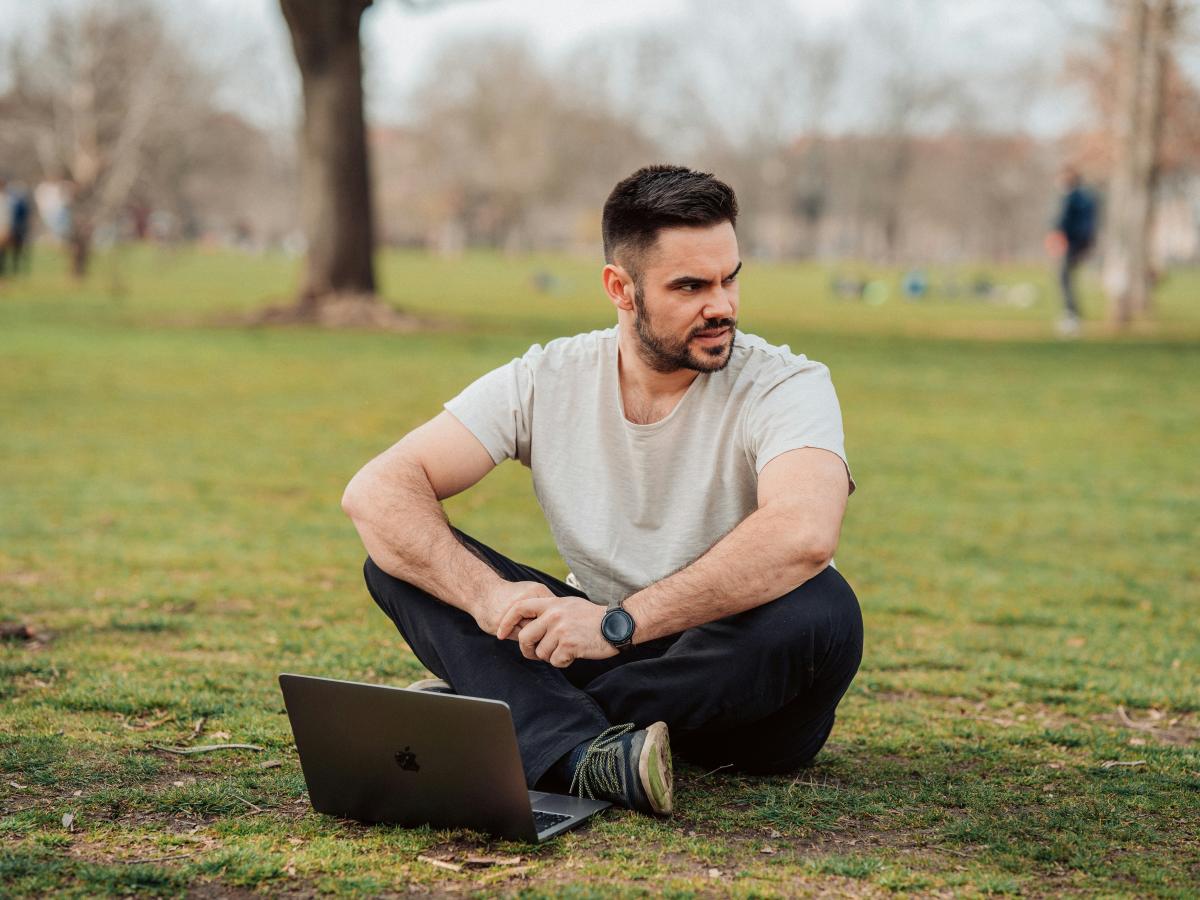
{"points": [[498, 408], [799, 410]]}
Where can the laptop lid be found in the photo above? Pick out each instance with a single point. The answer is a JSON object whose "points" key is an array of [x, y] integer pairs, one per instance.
{"points": [[385, 754]]}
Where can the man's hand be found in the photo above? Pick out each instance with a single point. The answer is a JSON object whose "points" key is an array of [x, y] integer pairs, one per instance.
{"points": [[557, 630], [492, 608]]}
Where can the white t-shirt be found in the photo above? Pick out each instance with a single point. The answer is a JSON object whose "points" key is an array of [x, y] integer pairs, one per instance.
{"points": [[630, 504]]}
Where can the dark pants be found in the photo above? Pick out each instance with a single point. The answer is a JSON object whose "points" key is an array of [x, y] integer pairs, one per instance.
{"points": [[756, 691], [1071, 259]]}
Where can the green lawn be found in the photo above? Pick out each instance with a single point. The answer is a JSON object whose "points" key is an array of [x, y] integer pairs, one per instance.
{"points": [[1024, 544]]}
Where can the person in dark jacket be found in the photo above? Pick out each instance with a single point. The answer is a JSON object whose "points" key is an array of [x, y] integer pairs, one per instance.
{"points": [[1072, 240], [19, 215]]}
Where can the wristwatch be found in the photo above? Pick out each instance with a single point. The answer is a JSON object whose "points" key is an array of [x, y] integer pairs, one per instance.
{"points": [[617, 627]]}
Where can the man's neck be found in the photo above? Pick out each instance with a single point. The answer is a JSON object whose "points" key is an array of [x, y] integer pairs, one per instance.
{"points": [[649, 395]]}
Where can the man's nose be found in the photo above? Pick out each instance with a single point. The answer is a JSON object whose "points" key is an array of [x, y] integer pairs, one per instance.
{"points": [[722, 303]]}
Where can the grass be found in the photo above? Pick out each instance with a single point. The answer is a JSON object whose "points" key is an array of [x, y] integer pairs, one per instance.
{"points": [[1023, 543]]}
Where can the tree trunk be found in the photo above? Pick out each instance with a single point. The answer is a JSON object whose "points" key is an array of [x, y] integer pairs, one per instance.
{"points": [[1128, 275], [335, 188]]}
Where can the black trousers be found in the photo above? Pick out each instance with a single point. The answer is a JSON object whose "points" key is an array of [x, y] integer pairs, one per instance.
{"points": [[1066, 274], [756, 691]]}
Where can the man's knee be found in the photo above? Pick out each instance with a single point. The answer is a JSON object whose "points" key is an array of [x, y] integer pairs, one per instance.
{"points": [[395, 597], [836, 599], [807, 643], [820, 620]]}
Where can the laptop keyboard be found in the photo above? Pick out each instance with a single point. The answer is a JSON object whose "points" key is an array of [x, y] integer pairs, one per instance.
{"points": [[544, 820]]}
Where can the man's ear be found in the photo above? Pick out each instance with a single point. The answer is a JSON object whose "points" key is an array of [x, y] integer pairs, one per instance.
{"points": [[618, 284]]}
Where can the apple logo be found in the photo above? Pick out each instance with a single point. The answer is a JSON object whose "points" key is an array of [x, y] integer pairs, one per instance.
{"points": [[407, 760]]}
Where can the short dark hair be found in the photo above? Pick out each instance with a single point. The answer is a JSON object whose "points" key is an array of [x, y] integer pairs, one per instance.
{"points": [[657, 197]]}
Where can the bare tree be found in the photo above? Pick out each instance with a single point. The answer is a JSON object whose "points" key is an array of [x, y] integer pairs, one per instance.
{"points": [[1145, 37], [335, 191], [508, 144], [114, 104], [912, 95], [335, 179], [738, 111]]}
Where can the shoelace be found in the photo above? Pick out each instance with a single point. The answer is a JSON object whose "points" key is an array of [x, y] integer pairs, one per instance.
{"points": [[600, 769]]}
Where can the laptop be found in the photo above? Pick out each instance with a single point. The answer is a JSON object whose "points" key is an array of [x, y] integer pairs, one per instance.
{"points": [[386, 754]]}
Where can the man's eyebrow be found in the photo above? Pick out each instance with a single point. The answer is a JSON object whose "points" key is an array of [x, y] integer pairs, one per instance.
{"points": [[685, 280]]}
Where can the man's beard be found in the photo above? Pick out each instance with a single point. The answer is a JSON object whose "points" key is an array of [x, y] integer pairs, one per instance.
{"points": [[664, 354]]}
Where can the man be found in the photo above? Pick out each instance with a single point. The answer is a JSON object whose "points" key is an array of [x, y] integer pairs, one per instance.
{"points": [[19, 214], [1071, 241], [694, 480]]}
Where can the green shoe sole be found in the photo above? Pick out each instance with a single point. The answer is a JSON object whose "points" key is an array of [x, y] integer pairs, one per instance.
{"points": [[654, 769]]}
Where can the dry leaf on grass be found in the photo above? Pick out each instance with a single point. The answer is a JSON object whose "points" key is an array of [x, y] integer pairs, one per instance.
{"points": [[147, 725], [501, 873], [484, 861], [207, 748], [441, 863], [1113, 763], [156, 859]]}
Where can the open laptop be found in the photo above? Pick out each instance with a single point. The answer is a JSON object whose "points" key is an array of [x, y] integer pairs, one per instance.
{"points": [[385, 754]]}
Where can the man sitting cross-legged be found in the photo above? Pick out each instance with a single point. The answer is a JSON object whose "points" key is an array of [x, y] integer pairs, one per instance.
{"points": [[694, 480]]}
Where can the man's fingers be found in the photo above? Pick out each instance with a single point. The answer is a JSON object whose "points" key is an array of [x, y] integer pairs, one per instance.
{"points": [[527, 608], [515, 634], [546, 648], [530, 634], [560, 658]]}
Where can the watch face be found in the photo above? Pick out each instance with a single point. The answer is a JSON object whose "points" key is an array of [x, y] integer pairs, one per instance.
{"points": [[617, 626]]}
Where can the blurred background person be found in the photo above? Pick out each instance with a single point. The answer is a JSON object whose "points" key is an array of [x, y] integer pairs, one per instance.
{"points": [[19, 215], [1071, 241]]}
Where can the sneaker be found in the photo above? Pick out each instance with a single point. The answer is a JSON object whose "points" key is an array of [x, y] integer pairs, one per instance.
{"points": [[630, 768], [1069, 327], [432, 685]]}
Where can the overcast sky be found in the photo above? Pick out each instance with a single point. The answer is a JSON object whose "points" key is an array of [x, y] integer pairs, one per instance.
{"points": [[990, 39]]}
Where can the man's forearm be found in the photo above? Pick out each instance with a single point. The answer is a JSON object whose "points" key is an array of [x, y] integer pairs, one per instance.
{"points": [[764, 557], [406, 533]]}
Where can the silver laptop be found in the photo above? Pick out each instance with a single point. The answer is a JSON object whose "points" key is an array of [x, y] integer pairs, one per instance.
{"points": [[385, 754]]}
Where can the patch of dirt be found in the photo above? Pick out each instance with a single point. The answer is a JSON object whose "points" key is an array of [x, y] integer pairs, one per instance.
{"points": [[1157, 724], [342, 311], [22, 578], [212, 890], [23, 634]]}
